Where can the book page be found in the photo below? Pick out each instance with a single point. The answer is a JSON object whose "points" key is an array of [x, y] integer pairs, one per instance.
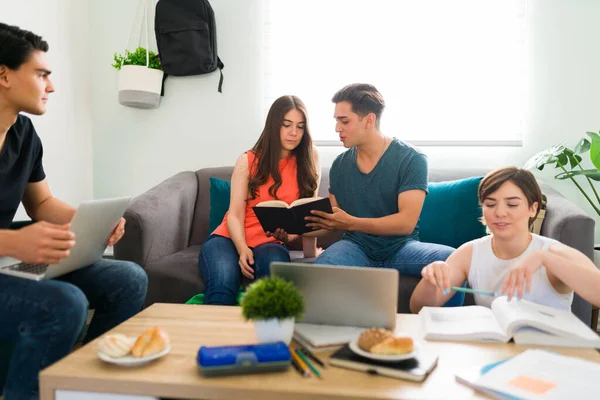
{"points": [[273, 203], [304, 201], [461, 323], [515, 314], [540, 374]]}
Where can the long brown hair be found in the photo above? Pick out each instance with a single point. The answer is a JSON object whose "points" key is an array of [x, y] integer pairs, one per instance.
{"points": [[522, 178], [268, 151]]}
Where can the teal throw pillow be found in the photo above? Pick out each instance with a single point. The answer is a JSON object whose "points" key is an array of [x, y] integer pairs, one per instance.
{"points": [[451, 213], [220, 193]]}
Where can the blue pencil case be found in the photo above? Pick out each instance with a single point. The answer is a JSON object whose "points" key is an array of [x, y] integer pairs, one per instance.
{"points": [[247, 359]]}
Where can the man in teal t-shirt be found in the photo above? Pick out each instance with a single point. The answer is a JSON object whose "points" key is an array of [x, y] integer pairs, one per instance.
{"points": [[377, 189]]}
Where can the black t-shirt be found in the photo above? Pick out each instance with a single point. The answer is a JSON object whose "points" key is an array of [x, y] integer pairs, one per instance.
{"points": [[20, 163]]}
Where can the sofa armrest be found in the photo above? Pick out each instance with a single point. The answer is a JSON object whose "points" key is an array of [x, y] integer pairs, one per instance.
{"points": [[570, 225], [159, 221]]}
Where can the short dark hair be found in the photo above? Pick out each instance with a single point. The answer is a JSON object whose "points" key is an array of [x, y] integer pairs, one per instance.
{"points": [[16, 45], [363, 98], [522, 178]]}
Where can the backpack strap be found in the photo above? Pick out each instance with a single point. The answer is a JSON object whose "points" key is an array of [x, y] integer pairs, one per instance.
{"points": [[220, 65]]}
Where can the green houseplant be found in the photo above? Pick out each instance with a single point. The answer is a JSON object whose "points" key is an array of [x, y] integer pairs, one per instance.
{"points": [[138, 57], [273, 304], [140, 78], [569, 162]]}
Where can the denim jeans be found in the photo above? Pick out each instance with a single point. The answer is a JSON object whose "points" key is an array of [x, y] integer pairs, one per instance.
{"points": [[45, 318], [221, 272], [410, 259]]}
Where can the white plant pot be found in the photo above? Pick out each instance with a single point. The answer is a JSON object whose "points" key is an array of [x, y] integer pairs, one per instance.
{"points": [[140, 86], [274, 330]]}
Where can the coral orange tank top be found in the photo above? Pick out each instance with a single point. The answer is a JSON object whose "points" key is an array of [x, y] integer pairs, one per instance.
{"points": [[288, 192]]}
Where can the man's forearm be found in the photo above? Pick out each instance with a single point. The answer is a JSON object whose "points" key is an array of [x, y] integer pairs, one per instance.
{"points": [[6, 237], [54, 211], [389, 225]]}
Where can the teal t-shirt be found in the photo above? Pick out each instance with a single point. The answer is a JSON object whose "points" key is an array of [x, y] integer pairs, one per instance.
{"points": [[375, 194]]}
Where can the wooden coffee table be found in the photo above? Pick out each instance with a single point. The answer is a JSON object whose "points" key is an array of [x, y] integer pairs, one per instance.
{"points": [[176, 374]]}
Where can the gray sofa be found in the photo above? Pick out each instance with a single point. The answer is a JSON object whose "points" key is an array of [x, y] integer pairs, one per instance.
{"points": [[167, 225]]}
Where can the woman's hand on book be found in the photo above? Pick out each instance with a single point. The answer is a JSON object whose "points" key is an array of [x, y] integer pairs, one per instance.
{"points": [[246, 262], [519, 276], [438, 274], [282, 235]]}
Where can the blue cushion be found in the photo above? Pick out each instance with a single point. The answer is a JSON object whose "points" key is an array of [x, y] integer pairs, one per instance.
{"points": [[220, 193], [451, 213]]}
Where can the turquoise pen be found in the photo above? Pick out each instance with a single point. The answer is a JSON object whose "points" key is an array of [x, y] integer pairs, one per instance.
{"points": [[475, 291]]}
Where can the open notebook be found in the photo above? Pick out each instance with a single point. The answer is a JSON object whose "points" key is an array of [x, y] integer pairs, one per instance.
{"points": [[522, 320], [535, 374]]}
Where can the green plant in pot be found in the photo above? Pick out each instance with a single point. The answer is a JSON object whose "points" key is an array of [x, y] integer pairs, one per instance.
{"points": [[273, 304], [569, 162], [140, 78]]}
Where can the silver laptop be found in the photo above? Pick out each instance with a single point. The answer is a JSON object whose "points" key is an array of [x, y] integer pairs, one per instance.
{"points": [[93, 223], [349, 296]]}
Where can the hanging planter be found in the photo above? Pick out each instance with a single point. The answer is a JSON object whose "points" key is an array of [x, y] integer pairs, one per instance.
{"points": [[140, 72]]}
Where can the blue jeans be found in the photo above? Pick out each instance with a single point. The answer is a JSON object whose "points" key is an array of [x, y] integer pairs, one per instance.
{"points": [[45, 318], [221, 272], [410, 259]]}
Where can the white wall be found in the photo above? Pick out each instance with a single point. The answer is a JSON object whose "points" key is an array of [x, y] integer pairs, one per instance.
{"points": [[197, 127], [65, 129]]}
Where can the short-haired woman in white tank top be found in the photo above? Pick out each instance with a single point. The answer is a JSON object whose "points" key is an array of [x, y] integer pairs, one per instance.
{"points": [[511, 260]]}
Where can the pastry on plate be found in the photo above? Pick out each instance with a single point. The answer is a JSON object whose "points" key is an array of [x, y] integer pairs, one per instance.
{"points": [[116, 345], [393, 346], [371, 337], [152, 341]]}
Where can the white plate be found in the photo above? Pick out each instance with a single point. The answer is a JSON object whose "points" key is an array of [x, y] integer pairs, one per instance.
{"points": [[131, 361], [382, 357]]}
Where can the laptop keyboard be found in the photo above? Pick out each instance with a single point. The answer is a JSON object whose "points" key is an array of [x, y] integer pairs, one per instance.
{"points": [[35, 269]]}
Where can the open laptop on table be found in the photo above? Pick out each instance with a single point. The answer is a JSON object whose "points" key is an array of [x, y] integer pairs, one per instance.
{"points": [[93, 223], [340, 302]]}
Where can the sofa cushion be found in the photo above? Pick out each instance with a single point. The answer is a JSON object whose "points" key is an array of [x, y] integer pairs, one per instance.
{"points": [[220, 195], [451, 213]]}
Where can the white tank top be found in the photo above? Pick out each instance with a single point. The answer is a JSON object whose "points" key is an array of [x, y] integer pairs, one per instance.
{"points": [[488, 272]]}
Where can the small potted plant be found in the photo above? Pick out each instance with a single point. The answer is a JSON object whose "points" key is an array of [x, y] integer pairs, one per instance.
{"points": [[273, 304], [140, 78]]}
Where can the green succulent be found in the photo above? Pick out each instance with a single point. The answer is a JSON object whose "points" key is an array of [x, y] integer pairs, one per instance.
{"points": [[138, 57], [272, 297], [569, 161]]}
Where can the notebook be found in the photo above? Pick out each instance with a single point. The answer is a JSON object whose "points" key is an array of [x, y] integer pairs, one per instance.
{"points": [[521, 320], [415, 369], [536, 374], [323, 337]]}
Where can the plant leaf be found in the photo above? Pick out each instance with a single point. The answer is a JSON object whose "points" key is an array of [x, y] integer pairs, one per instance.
{"points": [[590, 173], [574, 160], [595, 149], [563, 159], [544, 157], [582, 146]]}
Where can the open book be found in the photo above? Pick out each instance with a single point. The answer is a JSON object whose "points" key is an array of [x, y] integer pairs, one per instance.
{"points": [[522, 320], [273, 214]]}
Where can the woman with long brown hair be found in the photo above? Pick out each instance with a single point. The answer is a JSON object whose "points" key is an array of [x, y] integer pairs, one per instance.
{"points": [[282, 165]]}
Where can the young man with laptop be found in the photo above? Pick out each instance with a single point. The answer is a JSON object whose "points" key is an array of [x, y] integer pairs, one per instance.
{"points": [[44, 318], [377, 189]]}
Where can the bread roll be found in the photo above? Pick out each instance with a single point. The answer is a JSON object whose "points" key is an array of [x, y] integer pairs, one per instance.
{"points": [[394, 346], [371, 337], [116, 345], [152, 341]]}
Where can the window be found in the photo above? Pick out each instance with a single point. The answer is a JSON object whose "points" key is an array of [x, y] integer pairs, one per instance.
{"points": [[451, 72]]}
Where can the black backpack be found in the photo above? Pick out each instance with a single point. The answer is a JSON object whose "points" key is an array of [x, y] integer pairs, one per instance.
{"points": [[186, 35]]}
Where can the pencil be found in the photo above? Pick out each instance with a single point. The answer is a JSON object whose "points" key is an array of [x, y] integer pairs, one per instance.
{"points": [[296, 357], [310, 355], [475, 291], [312, 367], [298, 368]]}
